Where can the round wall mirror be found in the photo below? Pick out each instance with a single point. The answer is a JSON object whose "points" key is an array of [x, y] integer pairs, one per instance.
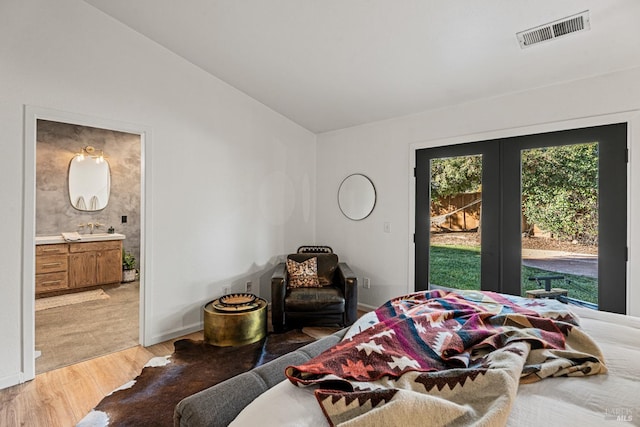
{"points": [[356, 197]]}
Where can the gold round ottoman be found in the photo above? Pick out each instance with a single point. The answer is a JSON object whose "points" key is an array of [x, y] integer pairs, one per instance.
{"points": [[225, 327]]}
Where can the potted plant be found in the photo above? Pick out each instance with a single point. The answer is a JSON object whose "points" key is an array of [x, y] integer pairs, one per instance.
{"points": [[128, 266]]}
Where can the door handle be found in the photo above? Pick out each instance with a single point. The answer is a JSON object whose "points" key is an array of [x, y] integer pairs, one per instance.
{"points": [[52, 264]]}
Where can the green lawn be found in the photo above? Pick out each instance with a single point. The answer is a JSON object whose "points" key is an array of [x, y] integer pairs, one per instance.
{"points": [[459, 267]]}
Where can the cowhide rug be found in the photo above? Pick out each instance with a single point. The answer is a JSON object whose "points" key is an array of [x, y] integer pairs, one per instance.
{"points": [[149, 399]]}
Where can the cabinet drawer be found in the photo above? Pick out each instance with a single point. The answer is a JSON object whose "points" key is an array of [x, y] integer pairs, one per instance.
{"points": [[51, 249], [51, 282], [51, 263], [94, 246]]}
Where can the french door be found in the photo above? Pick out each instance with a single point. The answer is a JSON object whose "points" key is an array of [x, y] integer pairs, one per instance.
{"points": [[499, 197]]}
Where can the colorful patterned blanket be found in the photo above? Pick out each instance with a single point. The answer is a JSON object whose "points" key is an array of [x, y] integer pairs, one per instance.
{"points": [[445, 358]]}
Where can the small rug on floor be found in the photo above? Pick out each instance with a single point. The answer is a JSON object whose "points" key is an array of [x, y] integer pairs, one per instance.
{"points": [[68, 299], [149, 399]]}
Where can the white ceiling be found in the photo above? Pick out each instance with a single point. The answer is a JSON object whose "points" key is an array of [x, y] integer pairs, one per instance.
{"points": [[331, 64]]}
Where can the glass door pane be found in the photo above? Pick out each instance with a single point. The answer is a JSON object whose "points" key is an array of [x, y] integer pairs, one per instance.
{"points": [[560, 204], [455, 222]]}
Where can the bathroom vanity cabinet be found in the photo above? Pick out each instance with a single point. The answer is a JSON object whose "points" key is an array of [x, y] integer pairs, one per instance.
{"points": [[52, 264], [95, 263], [72, 266]]}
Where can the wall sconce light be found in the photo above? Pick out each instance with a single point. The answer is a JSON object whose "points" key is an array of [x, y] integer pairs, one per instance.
{"points": [[91, 153]]}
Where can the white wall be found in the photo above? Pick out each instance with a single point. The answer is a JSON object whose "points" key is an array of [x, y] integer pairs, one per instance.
{"points": [[384, 151], [231, 184]]}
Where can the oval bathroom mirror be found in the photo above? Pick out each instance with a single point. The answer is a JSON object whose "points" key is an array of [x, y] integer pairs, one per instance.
{"points": [[89, 183], [356, 197]]}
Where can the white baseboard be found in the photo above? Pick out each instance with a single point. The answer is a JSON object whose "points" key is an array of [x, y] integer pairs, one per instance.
{"points": [[366, 307], [12, 380], [169, 335]]}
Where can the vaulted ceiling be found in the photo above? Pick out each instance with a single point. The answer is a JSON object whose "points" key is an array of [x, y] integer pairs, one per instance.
{"points": [[331, 64]]}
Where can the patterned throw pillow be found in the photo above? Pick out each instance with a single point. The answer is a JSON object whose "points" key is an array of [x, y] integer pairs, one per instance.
{"points": [[303, 274]]}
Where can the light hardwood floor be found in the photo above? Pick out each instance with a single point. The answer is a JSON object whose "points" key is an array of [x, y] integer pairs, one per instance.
{"points": [[62, 397]]}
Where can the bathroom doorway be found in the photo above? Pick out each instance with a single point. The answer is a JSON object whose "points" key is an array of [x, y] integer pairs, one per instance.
{"points": [[82, 327]]}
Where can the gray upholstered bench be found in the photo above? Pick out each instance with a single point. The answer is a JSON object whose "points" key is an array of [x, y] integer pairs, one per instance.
{"points": [[220, 404]]}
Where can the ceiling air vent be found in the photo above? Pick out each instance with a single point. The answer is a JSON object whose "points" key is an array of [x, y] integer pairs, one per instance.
{"points": [[553, 30]]}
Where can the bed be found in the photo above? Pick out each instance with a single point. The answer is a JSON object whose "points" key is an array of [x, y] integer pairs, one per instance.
{"points": [[603, 386]]}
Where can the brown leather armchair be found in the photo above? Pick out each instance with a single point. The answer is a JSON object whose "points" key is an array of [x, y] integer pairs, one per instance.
{"points": [[334, 303]]}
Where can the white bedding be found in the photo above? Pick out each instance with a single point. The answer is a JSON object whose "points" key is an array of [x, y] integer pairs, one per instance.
{"points": [[587, 401]]}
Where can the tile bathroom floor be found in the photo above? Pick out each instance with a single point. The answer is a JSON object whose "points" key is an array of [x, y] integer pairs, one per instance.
{"points": [[74, 333]]}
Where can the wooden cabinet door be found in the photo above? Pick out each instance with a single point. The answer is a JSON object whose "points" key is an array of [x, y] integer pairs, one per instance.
{"points": [[82, 269], [109, 267]]}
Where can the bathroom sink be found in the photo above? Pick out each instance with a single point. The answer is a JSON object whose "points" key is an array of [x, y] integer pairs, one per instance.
{"points": [[95, 237]]}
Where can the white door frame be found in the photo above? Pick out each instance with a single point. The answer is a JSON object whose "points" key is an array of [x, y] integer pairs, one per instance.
{"points": [[31, 115]]}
